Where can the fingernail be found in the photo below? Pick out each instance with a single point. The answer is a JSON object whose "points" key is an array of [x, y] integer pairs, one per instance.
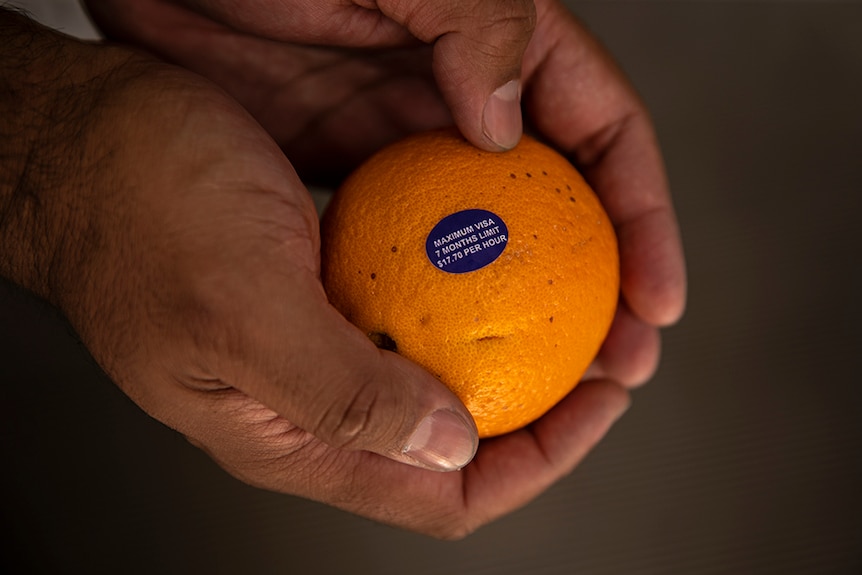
{"points": [[443, 441], [501, 118]]}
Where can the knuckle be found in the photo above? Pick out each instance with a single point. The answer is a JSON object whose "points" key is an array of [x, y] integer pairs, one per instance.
{"points": [[348, 421], [502, 31], [513, 17]]}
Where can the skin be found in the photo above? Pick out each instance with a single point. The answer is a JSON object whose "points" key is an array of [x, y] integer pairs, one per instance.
{"points": [[174, 231]]}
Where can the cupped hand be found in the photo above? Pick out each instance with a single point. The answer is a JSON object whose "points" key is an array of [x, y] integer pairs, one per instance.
{"points": [[175, 236], [328, 108]]}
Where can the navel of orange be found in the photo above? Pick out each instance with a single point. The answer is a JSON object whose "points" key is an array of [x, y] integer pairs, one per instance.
{"points": [[497, 272]]}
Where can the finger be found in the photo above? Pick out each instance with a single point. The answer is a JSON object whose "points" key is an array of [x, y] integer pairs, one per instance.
{"points": [[508, 471], [630, 353], [511, 470], [257, 446], [630, 179], [478, 46], [308, 364], [579, 99]]}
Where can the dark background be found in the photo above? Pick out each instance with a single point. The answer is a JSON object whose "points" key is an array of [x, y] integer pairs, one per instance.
{"points": [[743, 455]]}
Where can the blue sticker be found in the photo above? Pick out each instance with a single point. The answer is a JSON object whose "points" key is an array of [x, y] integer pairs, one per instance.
{"points": [[466, 241]]}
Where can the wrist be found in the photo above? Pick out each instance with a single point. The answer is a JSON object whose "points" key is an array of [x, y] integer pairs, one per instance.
{"points": [[51, 85]]}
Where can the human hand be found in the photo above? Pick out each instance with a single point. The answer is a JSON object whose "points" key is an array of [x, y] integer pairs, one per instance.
{"points": [[329, 108], [168, 227], [317, 90]]}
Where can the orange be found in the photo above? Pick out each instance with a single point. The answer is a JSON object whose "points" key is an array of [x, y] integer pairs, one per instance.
{"points": [[496, 272]]}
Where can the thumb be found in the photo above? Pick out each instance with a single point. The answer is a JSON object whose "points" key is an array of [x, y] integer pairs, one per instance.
{"points": [[335, 384], [478, 47]]}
